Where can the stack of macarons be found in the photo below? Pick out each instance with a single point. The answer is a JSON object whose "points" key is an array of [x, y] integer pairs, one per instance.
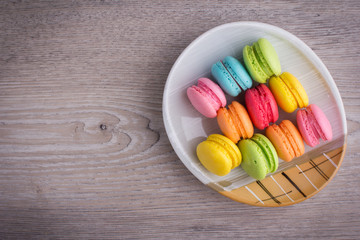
{"points": [[256, 153]]}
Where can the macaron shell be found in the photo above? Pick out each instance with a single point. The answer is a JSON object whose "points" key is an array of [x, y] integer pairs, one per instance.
{"points": [[238, 72], [230, 147], [296, 89], [280, 142], [254, 107], [224, 79], [262, 61], [269, 151], [253, 159], [215, 89], [243, 120], [282, 94], [227, 125], [306, 129], [322, 121], [201, 102], [270, 55], [268, 97], [214, 158], [294, 138], [253, 66]]}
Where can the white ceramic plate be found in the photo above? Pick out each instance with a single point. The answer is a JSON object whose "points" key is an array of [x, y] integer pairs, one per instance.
{"points": [[186, 127]]}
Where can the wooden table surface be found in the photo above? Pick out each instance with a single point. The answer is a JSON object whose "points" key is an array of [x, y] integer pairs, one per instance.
{"points": [[83, 148]]}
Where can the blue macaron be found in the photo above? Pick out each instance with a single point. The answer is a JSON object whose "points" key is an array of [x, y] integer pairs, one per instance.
{"points": [[231, 76]]}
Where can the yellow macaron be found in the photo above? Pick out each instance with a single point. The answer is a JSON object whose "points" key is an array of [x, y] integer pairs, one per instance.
{"points": [[288, 92], [218, 154]]}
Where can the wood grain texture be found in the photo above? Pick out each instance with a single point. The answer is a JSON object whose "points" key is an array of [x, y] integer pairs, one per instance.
{"points": [[83, 149]]}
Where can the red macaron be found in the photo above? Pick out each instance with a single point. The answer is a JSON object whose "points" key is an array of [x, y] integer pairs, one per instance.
{"points": [[261, 106]]}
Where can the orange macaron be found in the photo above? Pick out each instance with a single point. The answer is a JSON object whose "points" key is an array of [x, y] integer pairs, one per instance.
{"points": [[235, 122], [286, 139]]}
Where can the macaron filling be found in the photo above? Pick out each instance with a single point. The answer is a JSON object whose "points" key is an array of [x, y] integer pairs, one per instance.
{"points": [[314, 124]]}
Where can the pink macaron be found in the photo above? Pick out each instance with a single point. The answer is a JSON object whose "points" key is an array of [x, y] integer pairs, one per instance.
{"points": [[207, 97], [261, 106], [313, 125]]}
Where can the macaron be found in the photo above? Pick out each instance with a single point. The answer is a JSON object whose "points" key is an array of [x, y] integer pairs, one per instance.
{"points": [[218, 154], [261, 60], [313, 125], [259, 156], [235, 122], [261, 106], [288, 92], [207, 97], [286, 139], [231, 76]]}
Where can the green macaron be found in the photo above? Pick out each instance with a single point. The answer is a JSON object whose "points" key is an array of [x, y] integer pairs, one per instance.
{"points": [[259, 156], [261, 60]]}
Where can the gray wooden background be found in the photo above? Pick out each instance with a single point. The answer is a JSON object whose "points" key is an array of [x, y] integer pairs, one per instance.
{"points": [[83, 149]]}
